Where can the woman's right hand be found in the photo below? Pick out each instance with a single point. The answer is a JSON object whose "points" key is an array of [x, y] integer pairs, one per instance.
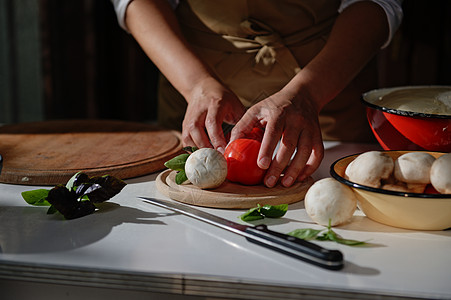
{"points": [[154, 25], [210, 104]]}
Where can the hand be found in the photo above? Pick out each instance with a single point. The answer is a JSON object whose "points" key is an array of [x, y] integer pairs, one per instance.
{"points": [[209, 105], [154, 25], [291, 119]]}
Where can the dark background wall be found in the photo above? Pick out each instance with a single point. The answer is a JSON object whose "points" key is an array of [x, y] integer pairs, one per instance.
{"points": [[420, 53], [69, 59], [92, 68]]}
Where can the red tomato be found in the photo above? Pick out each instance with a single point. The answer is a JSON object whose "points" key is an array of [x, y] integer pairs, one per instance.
{"points": [[256, 134], [241, 156], [430, 190]]}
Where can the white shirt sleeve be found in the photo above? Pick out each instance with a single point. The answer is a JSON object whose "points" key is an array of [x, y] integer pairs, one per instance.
{"points": [[120, 6], [393, 10]]}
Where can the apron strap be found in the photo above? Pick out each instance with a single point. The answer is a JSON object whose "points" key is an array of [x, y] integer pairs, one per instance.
{"points": [[261, 40], [270, 48]]}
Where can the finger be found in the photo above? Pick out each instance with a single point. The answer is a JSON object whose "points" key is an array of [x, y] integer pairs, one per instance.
{"points": [[243, 126], [235, 115], [213, 125], [196, 135], [271, 137], [314, 160], [283, 156], [297, 165], [200, 138], [187, 141]]}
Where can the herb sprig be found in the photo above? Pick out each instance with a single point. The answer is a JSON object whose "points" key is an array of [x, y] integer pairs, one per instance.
{"points": [[327, 235], [260, 212], [178, 164], [78, 197]]}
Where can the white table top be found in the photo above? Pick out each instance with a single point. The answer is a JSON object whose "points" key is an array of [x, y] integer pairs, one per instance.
{"points": [[132, 246]]}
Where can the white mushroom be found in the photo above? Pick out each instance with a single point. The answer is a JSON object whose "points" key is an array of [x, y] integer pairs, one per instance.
{"points": [[416, 187], [399, 187], [441, 174], [405, 187], [414, 167], [393, 184], [329, 199], [369, 168], [206, 168]]}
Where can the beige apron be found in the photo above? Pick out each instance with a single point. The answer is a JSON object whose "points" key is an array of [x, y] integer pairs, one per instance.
{"points": [[255, 47]]}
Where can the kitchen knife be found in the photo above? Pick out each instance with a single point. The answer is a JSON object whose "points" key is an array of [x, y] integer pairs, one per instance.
{"points": [[260, 234]]}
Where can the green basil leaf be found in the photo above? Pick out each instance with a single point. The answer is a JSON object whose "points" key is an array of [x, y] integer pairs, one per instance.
{"points": [[84, 198], [77, 197], [36, 197], [51, 210], [190, 149], [349, 242], [329, 235], [305, 233], [71, 182], [177, 163], [180, 177], [252, 215], [274, 211]]}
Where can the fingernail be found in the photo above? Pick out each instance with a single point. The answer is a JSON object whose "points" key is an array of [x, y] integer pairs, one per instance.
{"points": [[271, 181], [220, 149], [288, 181], [264, 163]]}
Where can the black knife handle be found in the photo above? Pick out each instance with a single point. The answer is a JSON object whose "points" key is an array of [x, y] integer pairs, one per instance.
{"points": [[295, 247]]}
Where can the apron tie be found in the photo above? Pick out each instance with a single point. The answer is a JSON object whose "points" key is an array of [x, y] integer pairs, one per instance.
{"points": [[268, 46]]}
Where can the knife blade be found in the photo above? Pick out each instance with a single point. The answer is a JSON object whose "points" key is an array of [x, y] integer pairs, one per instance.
{"points": [[261, 235]]}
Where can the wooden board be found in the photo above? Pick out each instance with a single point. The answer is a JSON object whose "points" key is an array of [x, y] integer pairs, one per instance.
{"points": [[50, 152], [230, 195]]}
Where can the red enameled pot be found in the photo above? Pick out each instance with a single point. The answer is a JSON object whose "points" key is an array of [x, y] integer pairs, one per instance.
{"points": [[404, 130]]}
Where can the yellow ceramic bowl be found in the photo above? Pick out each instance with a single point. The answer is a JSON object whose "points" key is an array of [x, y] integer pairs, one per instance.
{"points": [[398, 209]]}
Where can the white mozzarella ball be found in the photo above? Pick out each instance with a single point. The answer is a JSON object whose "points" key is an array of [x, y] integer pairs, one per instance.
{"points": [[206, 168], [329, 199]]}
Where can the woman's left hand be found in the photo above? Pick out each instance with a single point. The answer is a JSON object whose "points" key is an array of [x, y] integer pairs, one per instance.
{"points": [[292, 119]]}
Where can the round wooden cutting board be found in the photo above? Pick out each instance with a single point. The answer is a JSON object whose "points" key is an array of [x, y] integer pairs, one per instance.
{"points": [[231, 195], [50, 152]]}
